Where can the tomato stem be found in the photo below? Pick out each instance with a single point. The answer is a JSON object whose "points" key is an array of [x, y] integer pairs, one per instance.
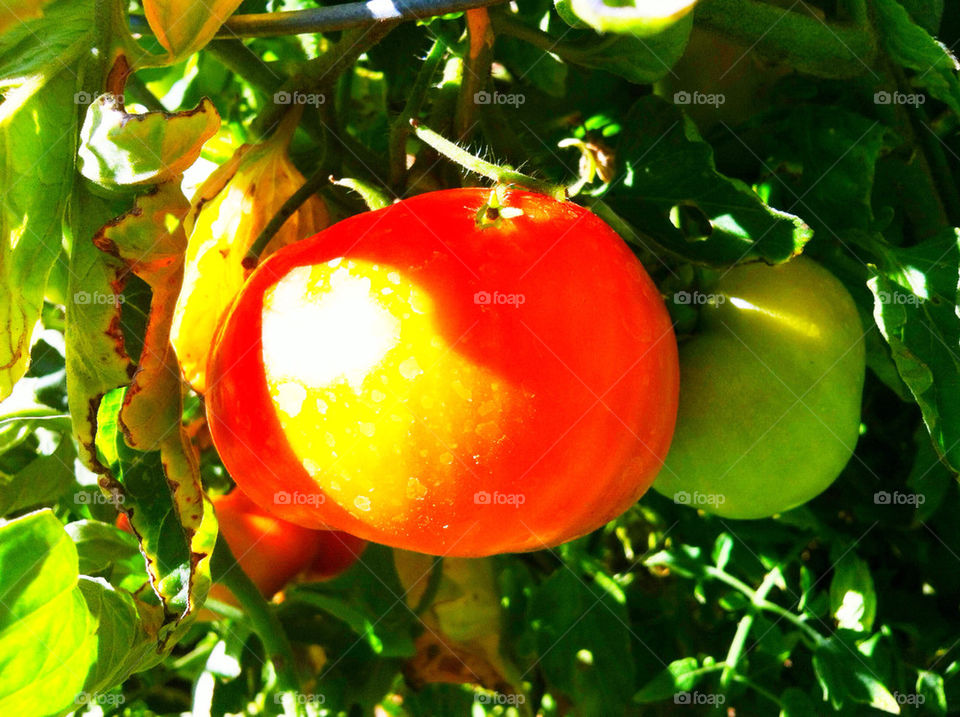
{"points": [[227, 571], [400, 127], [501, 175]]}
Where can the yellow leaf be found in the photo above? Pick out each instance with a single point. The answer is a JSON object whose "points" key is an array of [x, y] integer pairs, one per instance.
{"points": [[229, 211], [15, 12], [184, 26]]}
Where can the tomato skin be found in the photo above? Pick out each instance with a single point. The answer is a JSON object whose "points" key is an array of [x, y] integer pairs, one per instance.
{"points": [[772, 387], [271, 551], [338, 551], [580, 377]]}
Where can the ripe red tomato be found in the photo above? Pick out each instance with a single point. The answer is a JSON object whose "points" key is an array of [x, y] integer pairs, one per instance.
{"points": [[435, 378], [338, 551]]}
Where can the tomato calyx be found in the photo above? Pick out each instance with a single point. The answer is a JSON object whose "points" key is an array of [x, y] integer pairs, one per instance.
{"points": [[496, 209]]}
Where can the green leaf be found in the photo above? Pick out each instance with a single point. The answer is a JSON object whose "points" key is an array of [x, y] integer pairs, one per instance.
{"points": [[853, 600], [679, 676], [35, 178], [99, 545], [582, 640], [931, 690], [722, 548], [33, 52], [124, 645], [832, 156], [911, 46], [915, 307], [47, 640], [671, 191], [44, 479], [639, 60], [97, 359], [844, 674], [642, 18], [929, 479], [796, 703], [369, 599]]}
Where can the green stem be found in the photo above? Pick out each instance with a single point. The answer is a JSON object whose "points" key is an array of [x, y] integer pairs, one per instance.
{"points": [[318, 76], [226, 570], [137, 91], [243, 62], [400, 128], [766, 605], [743, 629], [501, 175], [287, 210], [758, 689], [831, 49], [372, 195]]}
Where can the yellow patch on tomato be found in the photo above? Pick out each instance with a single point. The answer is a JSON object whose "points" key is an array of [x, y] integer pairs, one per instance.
{"points": [[379, 408]]}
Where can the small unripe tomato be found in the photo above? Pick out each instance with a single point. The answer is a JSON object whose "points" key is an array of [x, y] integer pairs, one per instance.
{"points": [[772, 387], [448, 378]]}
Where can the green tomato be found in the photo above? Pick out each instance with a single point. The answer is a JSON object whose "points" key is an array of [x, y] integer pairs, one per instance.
{"points": [[770, 392]]}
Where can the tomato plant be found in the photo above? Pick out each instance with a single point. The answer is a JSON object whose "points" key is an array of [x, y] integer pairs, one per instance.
{"points": [[464, 279], [772, 381], [455, 395]]}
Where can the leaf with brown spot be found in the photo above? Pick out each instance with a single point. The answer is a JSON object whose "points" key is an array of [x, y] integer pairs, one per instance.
{"points": [[120, 149]]}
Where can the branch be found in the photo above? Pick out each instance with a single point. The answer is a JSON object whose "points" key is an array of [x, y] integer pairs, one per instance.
{"points": [[326, 19]]}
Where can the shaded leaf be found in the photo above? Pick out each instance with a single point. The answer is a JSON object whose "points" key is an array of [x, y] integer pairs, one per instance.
{"points": [[844, 675], [915, 307], [853, 600], [670, 189], [679, 676], [911, 46]]}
